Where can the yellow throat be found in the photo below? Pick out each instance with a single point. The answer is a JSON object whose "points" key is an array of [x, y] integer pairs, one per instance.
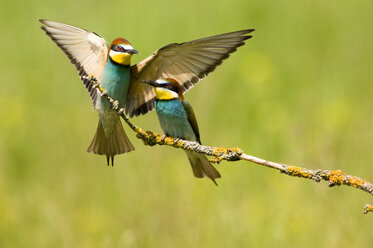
{"points": [[164, 94], [120, 58]]}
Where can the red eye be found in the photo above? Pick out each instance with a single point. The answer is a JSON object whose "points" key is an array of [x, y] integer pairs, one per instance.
{"points": [[168, 86], [120, 49]]}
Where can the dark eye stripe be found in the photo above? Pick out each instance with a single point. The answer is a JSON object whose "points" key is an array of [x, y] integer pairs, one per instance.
{"points": [[171, 87], [118, 48]]}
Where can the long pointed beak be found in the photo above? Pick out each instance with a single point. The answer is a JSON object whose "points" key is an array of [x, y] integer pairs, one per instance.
{"points": [[152, 83], [133, 51]]}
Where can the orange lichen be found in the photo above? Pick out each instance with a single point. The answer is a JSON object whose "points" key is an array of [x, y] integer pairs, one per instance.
{"points": [[368, 208], [336, 177], [299, 172], [179, 143], [220, 150], [295, 171], [307, 174], [139, 130], [216, 160], [356, 182], [324, 175], [96, 83], [151, 138], [99, 87], [168, 141], [236, 150]]}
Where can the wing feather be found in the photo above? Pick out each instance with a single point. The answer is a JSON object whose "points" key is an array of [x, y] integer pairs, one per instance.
{"points": [[187, 63], [86, 50], [192, 119]]}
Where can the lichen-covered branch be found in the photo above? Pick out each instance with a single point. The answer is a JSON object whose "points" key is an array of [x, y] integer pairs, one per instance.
{"points": [[333, 177]]}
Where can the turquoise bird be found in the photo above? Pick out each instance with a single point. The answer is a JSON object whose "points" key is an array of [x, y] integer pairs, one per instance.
{"points": [[177, 119], [110, 138], [186, 63]]}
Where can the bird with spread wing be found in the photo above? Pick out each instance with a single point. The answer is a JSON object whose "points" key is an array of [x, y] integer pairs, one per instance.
{"points": [[186, 63]]}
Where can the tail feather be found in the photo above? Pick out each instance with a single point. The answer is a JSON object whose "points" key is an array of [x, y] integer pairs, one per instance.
{"points": [[201, 166], [116, 143]]}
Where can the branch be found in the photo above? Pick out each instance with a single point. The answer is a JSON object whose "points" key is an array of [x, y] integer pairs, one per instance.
{"points": [[333, 177]]}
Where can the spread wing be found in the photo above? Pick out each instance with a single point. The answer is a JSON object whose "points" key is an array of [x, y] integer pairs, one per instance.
{"points": [[86, 50], [192, 119], [187, 63]]}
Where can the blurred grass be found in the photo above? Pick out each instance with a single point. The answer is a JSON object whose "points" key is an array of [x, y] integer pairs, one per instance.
{"points": [[299, 92]]}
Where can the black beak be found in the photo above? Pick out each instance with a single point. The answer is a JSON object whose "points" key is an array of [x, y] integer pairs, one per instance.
{"points": [[152, 83], [132, 51]]}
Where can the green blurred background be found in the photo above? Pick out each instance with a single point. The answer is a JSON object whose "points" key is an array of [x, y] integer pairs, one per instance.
{"points": [[300, 92]]}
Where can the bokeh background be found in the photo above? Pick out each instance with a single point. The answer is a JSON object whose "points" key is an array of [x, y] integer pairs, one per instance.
{"points": [[300, 92]]}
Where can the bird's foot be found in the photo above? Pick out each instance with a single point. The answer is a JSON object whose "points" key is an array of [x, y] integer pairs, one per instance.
{"points": [[92, 78], [121, 111], [176, 140], [163, 137], [115, 104], [105, 93]]}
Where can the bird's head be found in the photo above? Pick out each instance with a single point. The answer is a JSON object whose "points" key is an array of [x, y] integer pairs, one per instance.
{"points": [[166, 89], [121, 51]]}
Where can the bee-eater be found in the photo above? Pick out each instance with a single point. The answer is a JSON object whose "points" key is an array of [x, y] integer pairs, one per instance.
{"points": [[177, 119], [186, 63]]}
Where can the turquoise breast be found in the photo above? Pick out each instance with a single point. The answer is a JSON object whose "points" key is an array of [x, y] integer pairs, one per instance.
{"points": [[115, 80], [174, 119]]}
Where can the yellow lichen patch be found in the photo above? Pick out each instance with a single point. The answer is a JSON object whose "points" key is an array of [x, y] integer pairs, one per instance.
{"points": [[306, 174], [236, 150], [97, 84], [148, 137], [168, 141], [323, 175], [179, 143], [171, 141], [157, 137], [219, 150], [295, 171], [216, 160], [139, 130], [102, 90], [336, 177], [356, 182], [368, 208], [222, 150], [299, 172]]}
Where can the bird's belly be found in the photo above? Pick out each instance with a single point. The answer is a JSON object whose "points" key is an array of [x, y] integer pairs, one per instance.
{"points": [[174, 120], [115, 80], [109, 120], [107, 115]]}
